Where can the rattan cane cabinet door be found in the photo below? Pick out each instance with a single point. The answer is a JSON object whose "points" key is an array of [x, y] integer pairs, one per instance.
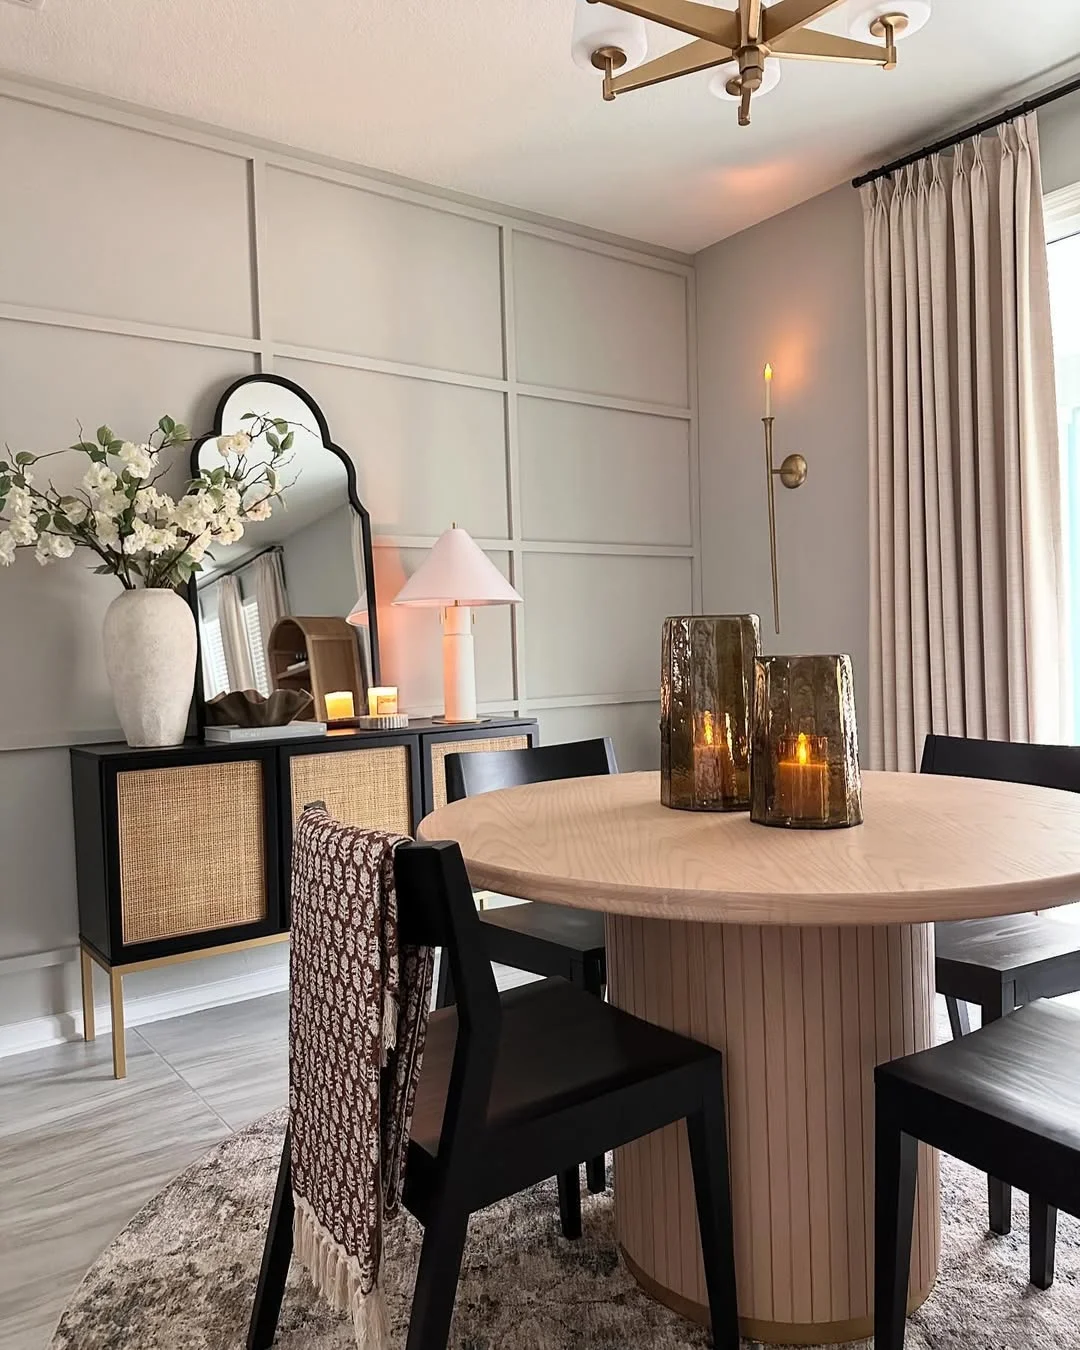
{"points": [[464, 746], [370, 787], [192, 849]]}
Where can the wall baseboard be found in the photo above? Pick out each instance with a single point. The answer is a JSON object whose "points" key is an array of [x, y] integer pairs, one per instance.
{"points": [[39, 1032]]}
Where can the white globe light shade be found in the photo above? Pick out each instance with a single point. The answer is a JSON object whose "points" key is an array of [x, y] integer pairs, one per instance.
{"points": [[917, 13], [769, 80], [597, 26]]}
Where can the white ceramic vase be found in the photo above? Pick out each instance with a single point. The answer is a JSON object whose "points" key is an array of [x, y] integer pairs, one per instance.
{"points": [[150, 653]]}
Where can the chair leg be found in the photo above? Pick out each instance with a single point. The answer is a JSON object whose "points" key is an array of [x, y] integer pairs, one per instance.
{"points": [[444, 994], [896, 1161], [277, 1253], [959, 1022], [595, 1168], [999, 1193], [1043, 1241], [707, 1133], [437, 1278], [570, 1202]]}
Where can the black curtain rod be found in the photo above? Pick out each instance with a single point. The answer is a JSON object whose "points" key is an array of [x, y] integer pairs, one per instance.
{"points": [[218, 575], [968, 133]]}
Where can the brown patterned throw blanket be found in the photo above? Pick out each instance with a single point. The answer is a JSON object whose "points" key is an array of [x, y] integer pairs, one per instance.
{"points": [[357, 1021]]}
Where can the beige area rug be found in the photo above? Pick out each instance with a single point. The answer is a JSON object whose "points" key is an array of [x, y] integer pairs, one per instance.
{"points": [[181, 1276]]}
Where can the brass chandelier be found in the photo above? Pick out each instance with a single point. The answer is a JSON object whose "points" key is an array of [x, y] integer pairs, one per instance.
{"points": [[611, 37]]}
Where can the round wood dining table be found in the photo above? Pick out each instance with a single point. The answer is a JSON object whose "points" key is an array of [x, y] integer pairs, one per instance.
{"points": [[807, 957]]}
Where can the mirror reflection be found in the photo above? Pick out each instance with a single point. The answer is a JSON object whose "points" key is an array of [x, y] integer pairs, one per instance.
{"points": [[291, 604]]}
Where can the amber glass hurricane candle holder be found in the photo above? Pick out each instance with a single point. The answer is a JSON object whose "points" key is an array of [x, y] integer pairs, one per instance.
{"points": [[805, 745], [705, 689]]}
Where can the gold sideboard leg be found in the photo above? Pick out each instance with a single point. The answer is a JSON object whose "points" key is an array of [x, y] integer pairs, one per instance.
{"points": [[87, 967], [116, 1000]]}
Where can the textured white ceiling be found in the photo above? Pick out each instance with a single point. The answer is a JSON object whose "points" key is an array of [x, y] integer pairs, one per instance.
{"points": [[481, 96]]}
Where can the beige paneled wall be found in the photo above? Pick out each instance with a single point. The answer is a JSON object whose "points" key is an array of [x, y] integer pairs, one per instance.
{"points": [[532, 384], [789, 291]]}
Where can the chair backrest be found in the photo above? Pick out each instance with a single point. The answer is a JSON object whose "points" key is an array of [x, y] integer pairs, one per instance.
{"points": [[1052, 766], [436, 909], [467, 775]]}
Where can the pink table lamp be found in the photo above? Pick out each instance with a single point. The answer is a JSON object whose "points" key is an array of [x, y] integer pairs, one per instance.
{"points": [[454, 577]]}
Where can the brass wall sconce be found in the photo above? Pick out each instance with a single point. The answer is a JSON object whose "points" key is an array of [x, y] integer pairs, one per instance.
{"points": [[792, 473]]}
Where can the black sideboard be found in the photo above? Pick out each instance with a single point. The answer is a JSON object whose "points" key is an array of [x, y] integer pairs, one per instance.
{"points": [[185, 852]]}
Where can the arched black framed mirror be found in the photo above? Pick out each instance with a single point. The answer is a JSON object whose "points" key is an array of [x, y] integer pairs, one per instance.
{"points": [[307, 567]]}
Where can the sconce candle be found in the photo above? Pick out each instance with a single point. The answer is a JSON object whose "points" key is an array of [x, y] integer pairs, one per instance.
{"points": [[382, 702], [705, 685], [339, 706], [768, 390], [805, 747]]}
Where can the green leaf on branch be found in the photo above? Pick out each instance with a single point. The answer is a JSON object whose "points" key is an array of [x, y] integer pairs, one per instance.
{"points": [[248, 417], [115, 445], [287, 443], [104, 434], [167, 425], [98, 455], [87, 447], [106, 569], [281, 425], [24, 457], [273, 441], [180, 432]]}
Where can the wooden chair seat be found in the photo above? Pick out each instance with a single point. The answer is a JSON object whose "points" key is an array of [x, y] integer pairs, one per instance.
{"points": [[1005, 1099], [547, 940], [558, 1047], [1039, 955]]}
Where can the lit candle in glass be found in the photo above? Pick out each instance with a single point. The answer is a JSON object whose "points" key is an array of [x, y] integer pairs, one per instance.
{"points": [[339, 705], [802, 778], [768, 390], [714, 764], [382, 701]]}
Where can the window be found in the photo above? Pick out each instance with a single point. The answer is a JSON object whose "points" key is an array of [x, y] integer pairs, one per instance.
{"points": [[215, 672], [256, 645], [215, 667], [1063, 230]]}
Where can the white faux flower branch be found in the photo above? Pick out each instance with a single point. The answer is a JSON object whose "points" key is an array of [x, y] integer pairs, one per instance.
{"points": [[142, 536]]}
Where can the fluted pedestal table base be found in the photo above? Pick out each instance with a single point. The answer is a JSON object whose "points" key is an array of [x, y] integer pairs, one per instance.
{"points": [[802, 1015]]}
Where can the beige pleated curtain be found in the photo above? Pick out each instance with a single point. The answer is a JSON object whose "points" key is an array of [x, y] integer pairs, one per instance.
{"points": [[968, 607]]}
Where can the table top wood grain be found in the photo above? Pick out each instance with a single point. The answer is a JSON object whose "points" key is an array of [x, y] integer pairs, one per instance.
{"points": [[931, 848]]}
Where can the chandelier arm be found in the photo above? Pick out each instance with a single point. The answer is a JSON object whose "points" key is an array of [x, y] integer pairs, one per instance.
{"points": [[749, 22], [700, 55], [808, 45], [700, 21], [788, 15]]}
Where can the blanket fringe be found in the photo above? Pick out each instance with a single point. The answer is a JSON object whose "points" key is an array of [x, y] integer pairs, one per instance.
{"points": [[389, 1023], [336, 1276]]}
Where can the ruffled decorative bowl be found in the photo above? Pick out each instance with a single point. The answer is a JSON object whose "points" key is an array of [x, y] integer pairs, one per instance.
{"points": [[249, 708]]}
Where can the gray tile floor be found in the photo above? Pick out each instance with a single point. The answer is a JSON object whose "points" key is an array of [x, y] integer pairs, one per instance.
{"points": [[80, 1153]]}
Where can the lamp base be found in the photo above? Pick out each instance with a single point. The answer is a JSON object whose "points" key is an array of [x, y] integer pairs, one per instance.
{"points": [[459, 665]]}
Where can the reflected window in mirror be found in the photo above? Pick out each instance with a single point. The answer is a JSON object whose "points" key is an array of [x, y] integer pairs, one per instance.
{"points": [[290, 605]]}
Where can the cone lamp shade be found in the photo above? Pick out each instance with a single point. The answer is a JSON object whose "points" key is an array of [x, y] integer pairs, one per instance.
{"points": [[456, 576]]}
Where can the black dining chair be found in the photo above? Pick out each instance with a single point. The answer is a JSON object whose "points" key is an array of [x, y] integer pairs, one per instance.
{"points": [[1002, 964], [515, 1087], [1005, 1099], [540, 938]]}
